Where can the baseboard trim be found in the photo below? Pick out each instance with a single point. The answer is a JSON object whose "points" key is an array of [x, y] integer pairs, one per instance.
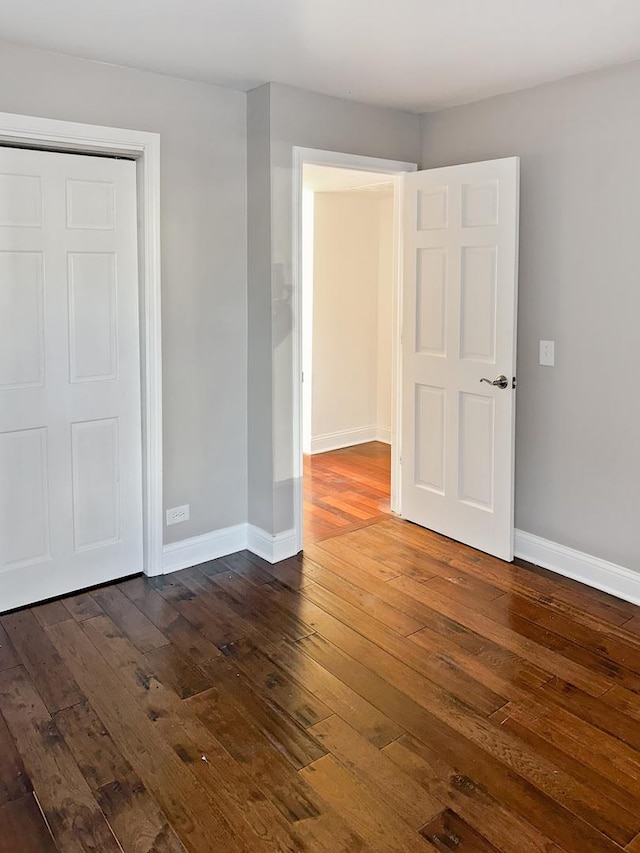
{"points": [[345, 438], [272, 547], [201, 549], [228, 540], [593, 571]]}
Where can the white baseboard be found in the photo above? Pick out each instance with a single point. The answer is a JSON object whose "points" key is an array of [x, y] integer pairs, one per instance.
{"points": [[349, 437], [593, 571], [200, 549], [271, 547], [609, 577], [228, 540]]}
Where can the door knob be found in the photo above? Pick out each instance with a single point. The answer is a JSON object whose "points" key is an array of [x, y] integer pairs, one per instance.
{"points": [[500, 381]]}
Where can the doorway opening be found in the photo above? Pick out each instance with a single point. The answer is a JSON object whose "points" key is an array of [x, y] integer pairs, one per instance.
{"points": [[348, 282], [453, 323], [389, 170]]}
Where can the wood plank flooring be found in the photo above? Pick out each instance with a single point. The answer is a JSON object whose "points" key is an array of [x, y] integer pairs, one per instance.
{"points": [[346, 489], [390, 690]]}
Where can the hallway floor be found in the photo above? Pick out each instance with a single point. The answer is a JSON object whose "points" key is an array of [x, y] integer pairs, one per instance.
{"points": [[346, 489]]}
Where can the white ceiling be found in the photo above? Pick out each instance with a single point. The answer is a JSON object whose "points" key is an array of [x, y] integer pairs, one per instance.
{"points": [[413, 54], [331, 179]]}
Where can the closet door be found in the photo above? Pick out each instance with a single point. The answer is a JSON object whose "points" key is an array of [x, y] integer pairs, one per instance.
{"points": [[70, 420]]}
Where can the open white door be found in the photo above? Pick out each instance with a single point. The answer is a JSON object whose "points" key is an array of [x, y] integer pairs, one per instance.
{"points": [[459, 295], [70, 422]]}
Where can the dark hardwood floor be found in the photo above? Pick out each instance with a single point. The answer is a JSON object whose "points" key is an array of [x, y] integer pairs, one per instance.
{"points": [[346, 489], [389, 691]]}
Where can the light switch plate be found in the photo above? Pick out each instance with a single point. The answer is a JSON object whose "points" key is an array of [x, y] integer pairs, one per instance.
{"points": [[548, 353]]}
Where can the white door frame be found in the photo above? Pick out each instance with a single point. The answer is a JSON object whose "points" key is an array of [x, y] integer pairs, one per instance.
{"points": [[365, 164], [144, 148]]}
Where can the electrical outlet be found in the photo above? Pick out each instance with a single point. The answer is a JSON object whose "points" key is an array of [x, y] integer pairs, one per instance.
{"points": [[178, 514], [547, 353]]}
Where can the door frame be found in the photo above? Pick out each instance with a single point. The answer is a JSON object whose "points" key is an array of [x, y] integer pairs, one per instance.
{"points": [[338, 159], [143, 147]]}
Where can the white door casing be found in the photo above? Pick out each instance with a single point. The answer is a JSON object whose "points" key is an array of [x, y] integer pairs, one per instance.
{"points": [[460, 252], [358, 162], [70, 416]]}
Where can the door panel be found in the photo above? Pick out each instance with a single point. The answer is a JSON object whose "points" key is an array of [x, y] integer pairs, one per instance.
{"points": [[431, 298], [70, 422], [21, 319], [24, 500], [96, 504], [92, 316], [430, 436], [460, 233]]}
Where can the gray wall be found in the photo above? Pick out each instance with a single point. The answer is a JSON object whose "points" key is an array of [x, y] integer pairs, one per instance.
{"points": [[300, 118], [203, 150], [578, 424]]}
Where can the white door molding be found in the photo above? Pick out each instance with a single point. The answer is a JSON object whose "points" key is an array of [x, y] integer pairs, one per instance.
{"points": [[144, 148], [338, 159]]}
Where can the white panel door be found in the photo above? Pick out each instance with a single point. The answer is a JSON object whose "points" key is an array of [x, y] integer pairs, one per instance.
{"points": [[460, 236], [70, 420]]}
